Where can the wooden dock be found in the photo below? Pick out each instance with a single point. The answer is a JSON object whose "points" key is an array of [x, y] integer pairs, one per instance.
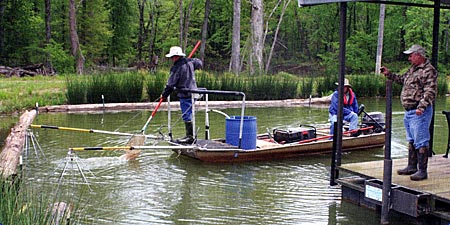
{"points": [[430, 197]]}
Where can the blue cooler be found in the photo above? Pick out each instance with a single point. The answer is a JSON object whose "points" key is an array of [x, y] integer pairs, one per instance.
{"points": [[249, 130]]}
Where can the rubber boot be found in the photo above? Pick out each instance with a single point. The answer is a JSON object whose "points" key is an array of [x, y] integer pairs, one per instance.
{"points": [[189, 134], [412, 162], [423, 164]]}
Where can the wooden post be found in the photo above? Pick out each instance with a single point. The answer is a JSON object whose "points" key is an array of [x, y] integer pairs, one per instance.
{"points": [[9, 157]]}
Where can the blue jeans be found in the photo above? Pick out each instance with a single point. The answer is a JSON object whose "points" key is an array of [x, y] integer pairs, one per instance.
{"points": [[186, 109], [417, 127], [352, 118]]}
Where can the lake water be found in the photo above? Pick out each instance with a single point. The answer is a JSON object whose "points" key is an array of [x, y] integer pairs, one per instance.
{"points": [[160, 187]]}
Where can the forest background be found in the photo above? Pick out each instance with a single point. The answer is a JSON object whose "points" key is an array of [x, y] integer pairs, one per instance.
{"points": [[253, 37]]}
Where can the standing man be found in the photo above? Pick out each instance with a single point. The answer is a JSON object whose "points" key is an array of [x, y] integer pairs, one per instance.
{"points": [[417, 97], [182, 76], [350, 109]]}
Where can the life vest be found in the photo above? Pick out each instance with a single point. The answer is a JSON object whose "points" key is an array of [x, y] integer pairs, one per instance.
{"points": [[351, 99]]}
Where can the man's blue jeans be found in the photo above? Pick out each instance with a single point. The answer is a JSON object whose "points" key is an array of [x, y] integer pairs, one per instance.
{"points": [[417, 127], [352, 118], [186, 108]]}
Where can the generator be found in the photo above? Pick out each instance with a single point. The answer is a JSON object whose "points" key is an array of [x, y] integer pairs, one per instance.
{"points": [[375, 119], [295, 134]]}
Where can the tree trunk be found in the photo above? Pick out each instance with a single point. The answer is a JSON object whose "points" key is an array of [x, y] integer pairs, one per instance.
{"points": [[9, 157], [205, 29], [141, 6], [236, 42], [402, 35], [181, 22], [257, 36], [153, 24], [275, 38], [74, 41], [380, 39], [268, 19], [187, 19], [2, 28], [48, 19]]}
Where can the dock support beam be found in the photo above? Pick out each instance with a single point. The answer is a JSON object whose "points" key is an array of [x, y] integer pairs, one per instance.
{"points": [[387, 175]]}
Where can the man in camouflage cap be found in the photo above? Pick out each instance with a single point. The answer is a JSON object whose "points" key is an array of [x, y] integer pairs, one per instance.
{"points": [[417, 97]]}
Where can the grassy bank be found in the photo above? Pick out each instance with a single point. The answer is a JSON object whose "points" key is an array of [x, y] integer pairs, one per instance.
{"points": [[23, 93], [17, 94]]}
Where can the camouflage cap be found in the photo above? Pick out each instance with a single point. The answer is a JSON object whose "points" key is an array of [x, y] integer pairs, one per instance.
{"points": [[415, 49]]}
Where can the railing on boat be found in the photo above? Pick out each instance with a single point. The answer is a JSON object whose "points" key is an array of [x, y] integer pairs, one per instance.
{"points": [[206, 92]]}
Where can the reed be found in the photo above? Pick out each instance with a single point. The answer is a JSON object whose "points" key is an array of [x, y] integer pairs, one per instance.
{"points": [[114, 87], [76, 89], [306, 87], [19, 204], [155, 84]]}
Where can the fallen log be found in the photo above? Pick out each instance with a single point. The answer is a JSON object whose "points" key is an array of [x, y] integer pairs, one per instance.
{"points": [[30, 70], [9, 157]]}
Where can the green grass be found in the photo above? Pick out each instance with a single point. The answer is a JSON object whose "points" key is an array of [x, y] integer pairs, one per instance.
{"points": [[17, 94]]}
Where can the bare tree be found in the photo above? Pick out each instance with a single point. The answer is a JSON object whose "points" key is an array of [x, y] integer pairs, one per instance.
{"points": [[205, 29], [236, 41], [153, 24], [74, 41], [187, 19], [48, 19], [181, 22], [140, 44], [2, 28], [380, 39], [275, 38], [268, 19], [257, 25]]}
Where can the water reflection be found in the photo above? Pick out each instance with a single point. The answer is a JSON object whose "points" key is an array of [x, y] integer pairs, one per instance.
{"points": [[161, 187]]}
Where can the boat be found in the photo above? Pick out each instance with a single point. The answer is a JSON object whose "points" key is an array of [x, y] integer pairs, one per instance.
{"points": [[241, 143], [279, 144], [218, 151]]}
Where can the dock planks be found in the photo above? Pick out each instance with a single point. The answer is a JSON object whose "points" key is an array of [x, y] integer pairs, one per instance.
{"points": [[437, 184]]}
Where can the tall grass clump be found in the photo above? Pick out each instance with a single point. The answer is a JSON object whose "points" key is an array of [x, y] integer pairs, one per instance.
{"points": [[155, 85], [367, 85], [306, 87], [230, 82], [442, 85], [20, 204], [114, 87], [271, 88], [326, 85], [76, 89]]}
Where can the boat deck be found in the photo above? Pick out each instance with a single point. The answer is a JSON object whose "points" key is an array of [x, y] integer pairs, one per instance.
{"points": [[432, 196]]}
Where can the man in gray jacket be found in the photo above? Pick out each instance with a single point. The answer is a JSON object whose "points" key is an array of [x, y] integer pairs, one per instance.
{"points": [[417, 97], [182, 76]]}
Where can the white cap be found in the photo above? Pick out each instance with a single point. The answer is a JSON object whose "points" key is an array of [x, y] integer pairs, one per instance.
{"points": [[175, 50], [346, 83]]}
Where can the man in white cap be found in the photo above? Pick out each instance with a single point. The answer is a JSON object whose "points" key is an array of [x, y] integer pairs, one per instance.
{"points": [[417, 97], [350, 109], [182, 76]]}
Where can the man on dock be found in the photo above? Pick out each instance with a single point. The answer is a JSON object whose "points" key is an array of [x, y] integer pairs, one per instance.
{"points": [[417, 97]]}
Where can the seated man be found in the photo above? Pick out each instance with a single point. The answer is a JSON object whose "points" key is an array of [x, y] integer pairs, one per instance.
{"points": [[350, 109]]}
